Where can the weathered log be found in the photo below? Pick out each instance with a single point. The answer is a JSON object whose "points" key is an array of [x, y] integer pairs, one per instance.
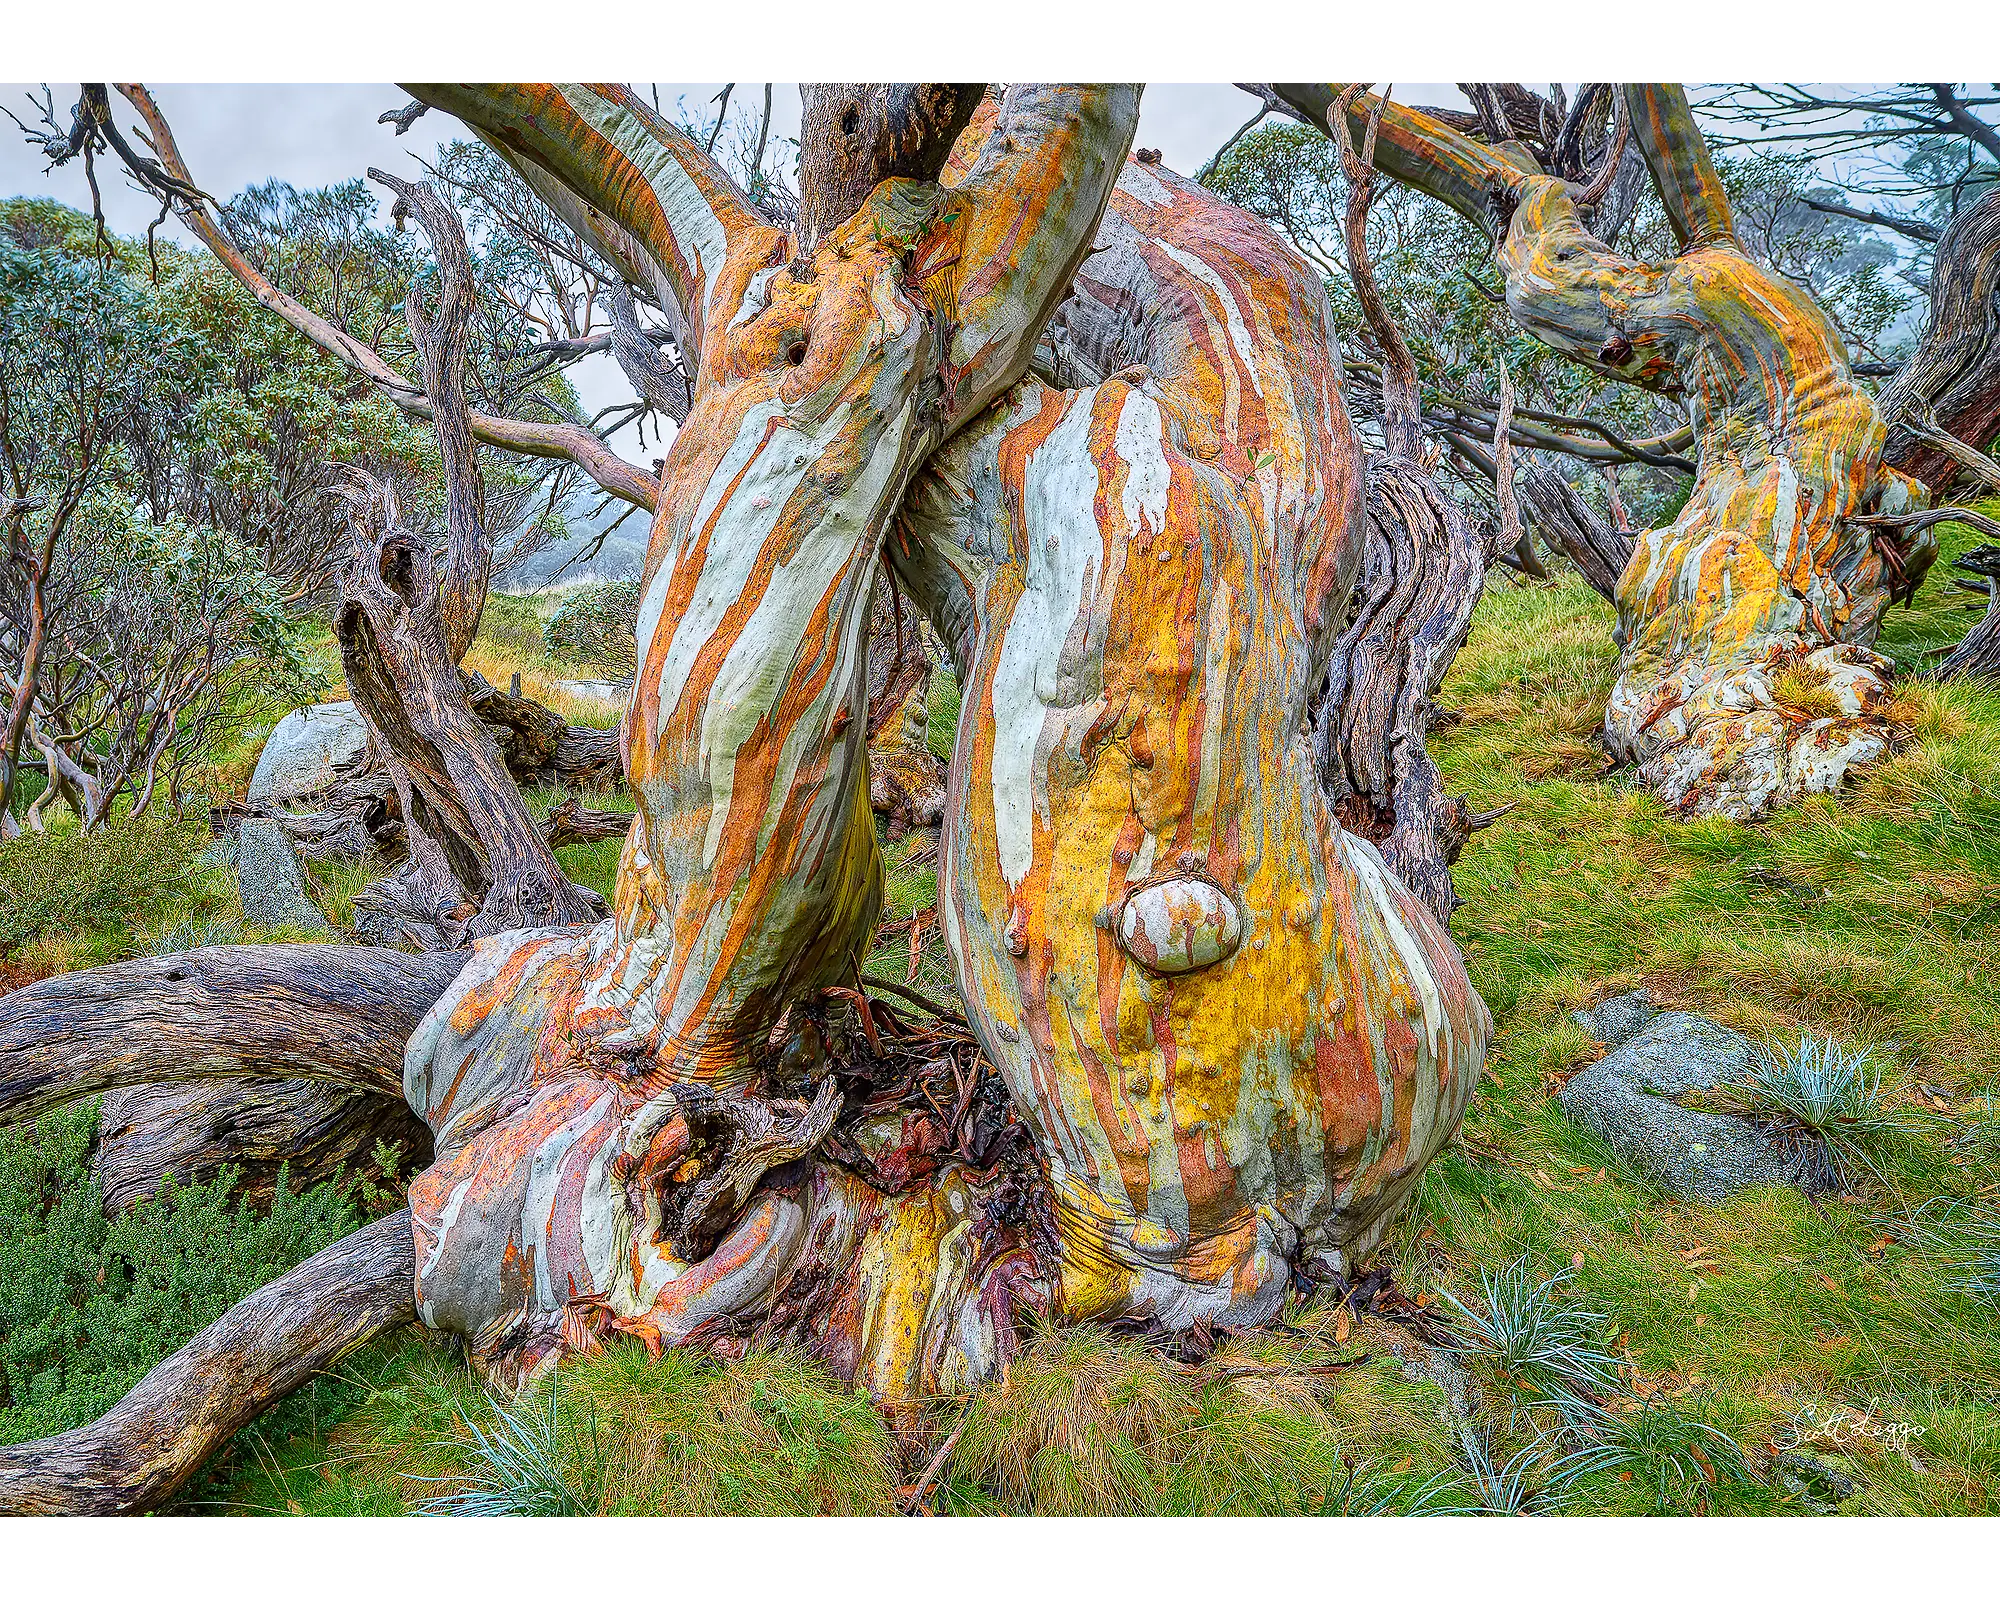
{"points": [[1425, 566], [538, 746], [316, 1132], [1595, 548], [332, 1013], [241, 1365], [572, 822], [1952, 380], [477, 862]]}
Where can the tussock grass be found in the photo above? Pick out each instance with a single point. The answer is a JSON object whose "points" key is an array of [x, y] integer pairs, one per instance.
{"points": [[1089, 1423], [1857, 1326], [619, 1434]]}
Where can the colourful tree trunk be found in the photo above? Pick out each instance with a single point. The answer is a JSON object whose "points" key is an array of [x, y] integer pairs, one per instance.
{"points": [[1745, 678]]}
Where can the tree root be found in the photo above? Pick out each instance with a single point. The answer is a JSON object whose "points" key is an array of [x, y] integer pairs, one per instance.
{"points": [[330, 1012], [241, 1365]]}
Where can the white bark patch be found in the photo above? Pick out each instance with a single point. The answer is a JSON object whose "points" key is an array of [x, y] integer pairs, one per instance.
{"points": [[1239, 335], [729, 559], [1059, 488], [1142, 186], [697, 231], [1371, 876]]}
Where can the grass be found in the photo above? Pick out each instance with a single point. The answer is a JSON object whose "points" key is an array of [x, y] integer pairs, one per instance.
{"points": [[1535, 1343], [1672, 1351], [1826, 1105], [617, 1434]]}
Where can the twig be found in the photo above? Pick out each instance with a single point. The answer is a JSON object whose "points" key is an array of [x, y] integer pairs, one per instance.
{"points": [[922, 1486]]}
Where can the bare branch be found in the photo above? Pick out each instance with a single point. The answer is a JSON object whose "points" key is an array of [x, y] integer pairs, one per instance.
{"points": [[561, 442]]}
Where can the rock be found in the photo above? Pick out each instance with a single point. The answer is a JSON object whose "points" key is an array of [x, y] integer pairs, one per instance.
{"points": [[1612, 1021], [270, 879], [1820, 1482], [1630, 1100], [304, 750]]}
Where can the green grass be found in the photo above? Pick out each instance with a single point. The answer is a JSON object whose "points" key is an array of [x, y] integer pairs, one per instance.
{"points": [[1855, 1329]]}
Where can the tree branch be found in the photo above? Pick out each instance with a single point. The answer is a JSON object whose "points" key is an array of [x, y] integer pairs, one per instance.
{"points": [[550, 441], [241, 1365], [329, 1012]]}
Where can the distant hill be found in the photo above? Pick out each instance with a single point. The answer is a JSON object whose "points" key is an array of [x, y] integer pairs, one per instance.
{"points": [[623, 554]]}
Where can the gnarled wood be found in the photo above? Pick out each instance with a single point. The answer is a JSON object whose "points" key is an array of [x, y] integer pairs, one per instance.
{"points": [[315, 1132], [477, 862], [1952, 380], [1423, 573], [1597, 550], [1772, 577], [854, 135], [241, 1365], [331, 1013]]}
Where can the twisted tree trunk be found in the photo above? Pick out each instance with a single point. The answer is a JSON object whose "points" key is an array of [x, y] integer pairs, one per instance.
{"points": [[1425, 568], [1950, 386], [1220, 1038], [1745, 678]]}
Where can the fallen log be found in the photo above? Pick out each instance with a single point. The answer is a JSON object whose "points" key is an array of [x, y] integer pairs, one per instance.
{"points": [[329, 1012], [241, 1365]]}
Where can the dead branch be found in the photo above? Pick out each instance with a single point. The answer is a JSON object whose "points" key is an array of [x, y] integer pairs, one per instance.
{"points": [[241, 1365], [328, 1012]]}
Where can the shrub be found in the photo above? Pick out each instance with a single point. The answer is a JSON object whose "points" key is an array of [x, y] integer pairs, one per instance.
{"points": [[118, 876], [595, 626], [89, 1305]]}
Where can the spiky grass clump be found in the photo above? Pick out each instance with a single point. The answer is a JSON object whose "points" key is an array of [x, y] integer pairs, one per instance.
{"points": [[530, 1461], [191, 931], [1518, 1487], [1534, 1344], [1086, 1423], [1825, 1104]]}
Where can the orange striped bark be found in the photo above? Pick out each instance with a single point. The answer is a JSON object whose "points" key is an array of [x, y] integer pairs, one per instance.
{"points": [[1238, 1037], [751, 876], [1746, 678]]}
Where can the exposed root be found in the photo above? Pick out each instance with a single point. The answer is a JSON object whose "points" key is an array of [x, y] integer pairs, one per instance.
{"points": [[247, 1360]]}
